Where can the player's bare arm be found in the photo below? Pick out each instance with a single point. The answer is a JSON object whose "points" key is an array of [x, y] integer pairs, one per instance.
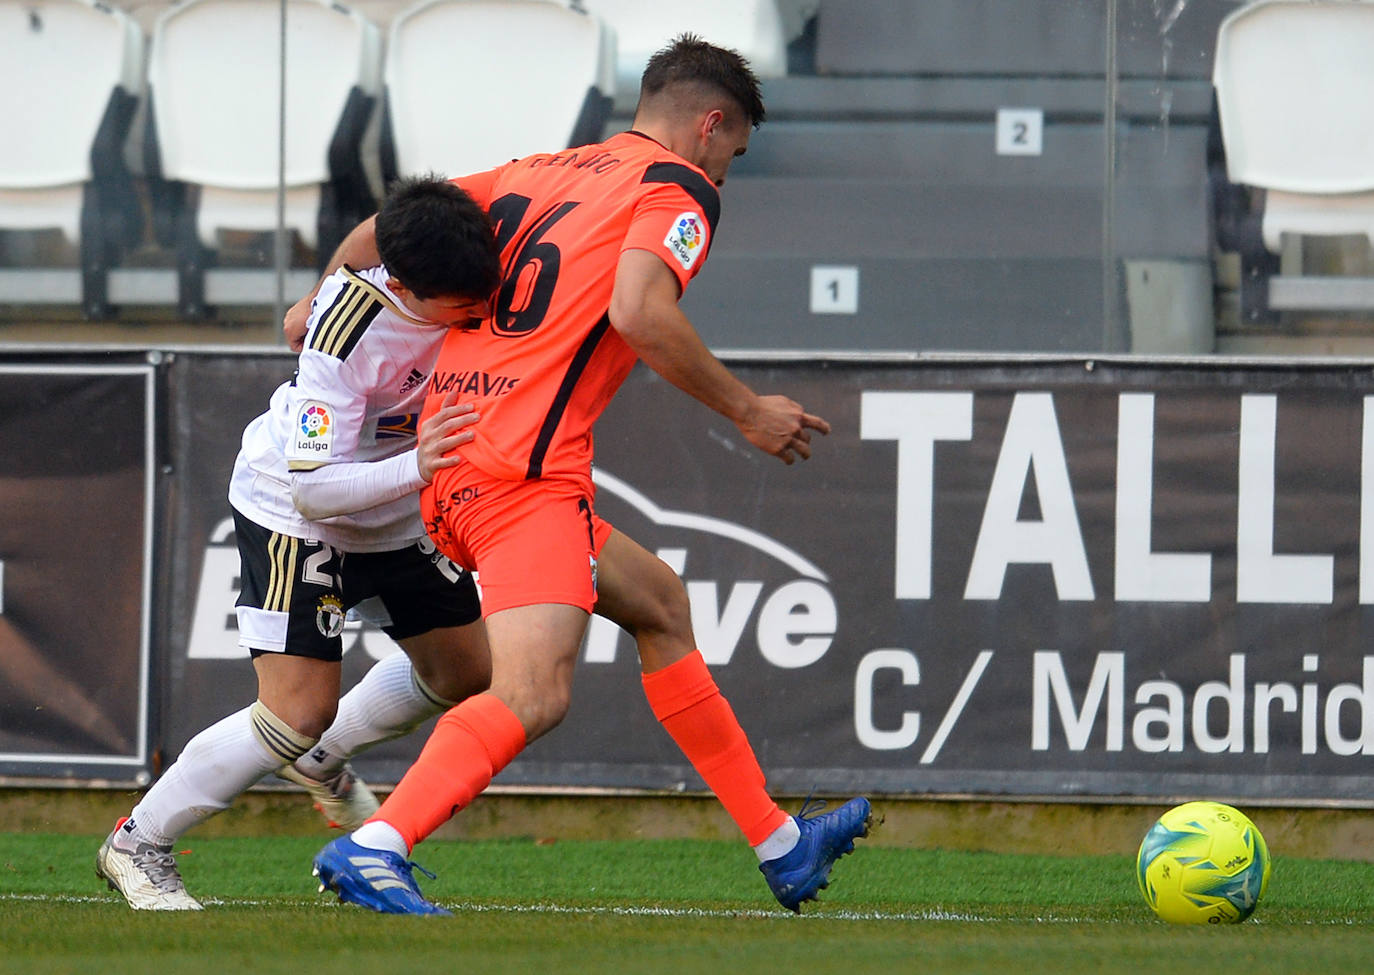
{"points": [[644, 311], [358, 249]]}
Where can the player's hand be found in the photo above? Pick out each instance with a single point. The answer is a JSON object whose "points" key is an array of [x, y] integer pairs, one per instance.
{"points": [[443, 433], [294, 322], [778, 426]]}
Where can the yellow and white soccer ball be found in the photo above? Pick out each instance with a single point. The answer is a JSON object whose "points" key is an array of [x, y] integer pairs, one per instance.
{"points": [[1203, 863]]}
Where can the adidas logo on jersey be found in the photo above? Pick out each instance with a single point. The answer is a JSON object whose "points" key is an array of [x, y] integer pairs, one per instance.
{"points": [[415, 378]]}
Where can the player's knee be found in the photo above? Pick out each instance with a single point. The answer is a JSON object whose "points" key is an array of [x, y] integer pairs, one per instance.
{"points": [[309, 719], [451, 665], [552, 709], [669, 610], [314, 723], [458, 681], [677, 610], [299, 693], [288, 729], [539, 711]]}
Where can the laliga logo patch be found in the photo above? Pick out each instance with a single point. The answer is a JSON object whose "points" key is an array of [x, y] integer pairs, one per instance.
{"points": [[315, 421], [686, 238], [329, 616], [314, 430]]}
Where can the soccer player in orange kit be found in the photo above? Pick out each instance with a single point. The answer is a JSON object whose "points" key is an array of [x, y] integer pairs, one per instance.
{"points": [[598, 244]]}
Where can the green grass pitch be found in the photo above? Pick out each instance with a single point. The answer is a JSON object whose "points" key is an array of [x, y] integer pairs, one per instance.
{"points": [[662, 906]]}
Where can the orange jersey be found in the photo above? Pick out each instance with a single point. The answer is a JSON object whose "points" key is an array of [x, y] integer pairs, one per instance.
{"points": [[543, 367]]}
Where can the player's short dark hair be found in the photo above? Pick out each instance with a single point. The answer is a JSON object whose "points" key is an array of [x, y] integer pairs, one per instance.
{"points": [[691, 60], [434, 239]]}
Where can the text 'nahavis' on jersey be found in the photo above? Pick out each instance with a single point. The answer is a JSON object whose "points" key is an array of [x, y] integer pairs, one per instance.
{"points": [[472, 382]]}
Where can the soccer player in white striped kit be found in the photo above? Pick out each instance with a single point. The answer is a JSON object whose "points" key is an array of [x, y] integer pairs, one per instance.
{"points": [[325, 502]]}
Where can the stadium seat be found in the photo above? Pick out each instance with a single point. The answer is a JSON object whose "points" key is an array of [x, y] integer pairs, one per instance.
{"points": [[71, 78], [213, 141], [754, 28], [1293, 81], [533, 75]]}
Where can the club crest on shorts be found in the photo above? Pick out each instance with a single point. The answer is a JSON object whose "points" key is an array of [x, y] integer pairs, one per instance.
{"points": [[314, 434], [329, 616], [686, 238]]}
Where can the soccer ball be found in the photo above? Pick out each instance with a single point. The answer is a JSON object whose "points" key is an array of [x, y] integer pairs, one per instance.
{"points": [[1203, 863]]}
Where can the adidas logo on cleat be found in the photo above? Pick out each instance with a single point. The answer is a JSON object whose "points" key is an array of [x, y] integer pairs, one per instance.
{"points": [[378, 875]]}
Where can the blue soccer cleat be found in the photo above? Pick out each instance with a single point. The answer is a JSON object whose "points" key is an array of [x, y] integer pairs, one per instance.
{"points": [[376, 879], [803, 871]]}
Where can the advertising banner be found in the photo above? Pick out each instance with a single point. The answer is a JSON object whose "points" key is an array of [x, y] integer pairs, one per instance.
{"points": [[77, 482], [996, 577]]}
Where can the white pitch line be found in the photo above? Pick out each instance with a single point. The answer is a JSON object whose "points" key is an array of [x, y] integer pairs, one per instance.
{"points": [[465, 907], [702, 912]]}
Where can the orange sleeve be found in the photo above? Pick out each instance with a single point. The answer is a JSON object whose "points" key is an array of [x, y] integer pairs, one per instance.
{"points": [[671, 224]]}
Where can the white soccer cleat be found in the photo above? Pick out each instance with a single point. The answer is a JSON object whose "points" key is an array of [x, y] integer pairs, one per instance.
{"points": [[343, 799], [146, 876]]}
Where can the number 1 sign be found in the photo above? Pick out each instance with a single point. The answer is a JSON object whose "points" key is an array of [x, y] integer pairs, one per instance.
{"points": [[834, 290]]}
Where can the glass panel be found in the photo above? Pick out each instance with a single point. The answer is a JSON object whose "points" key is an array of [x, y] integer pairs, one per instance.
{"points": [[1159, 253], [941, 163]]}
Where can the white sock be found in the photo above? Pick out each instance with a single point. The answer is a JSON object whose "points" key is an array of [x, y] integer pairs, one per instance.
{"points": [[380, 836], [213, 768], [388, 702], [780, 841]]}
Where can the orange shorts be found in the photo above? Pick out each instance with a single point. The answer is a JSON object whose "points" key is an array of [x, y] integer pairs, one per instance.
{"points": [[529, 542]]}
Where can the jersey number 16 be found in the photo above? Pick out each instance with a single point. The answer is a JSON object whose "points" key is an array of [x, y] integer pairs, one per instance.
{"points": [[528, 278]]}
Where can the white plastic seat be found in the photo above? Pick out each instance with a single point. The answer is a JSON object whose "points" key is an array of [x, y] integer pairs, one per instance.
{"points": [[1294, 81], [63, 61], [754, 28], [70, 79], [471, 84], [215, 89]]}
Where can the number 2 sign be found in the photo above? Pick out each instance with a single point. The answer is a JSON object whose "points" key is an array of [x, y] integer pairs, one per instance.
{"points": [[1020, 131]]}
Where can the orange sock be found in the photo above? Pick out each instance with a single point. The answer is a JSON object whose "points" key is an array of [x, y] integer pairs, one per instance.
{"points": [[470, 744], [686, 701]]}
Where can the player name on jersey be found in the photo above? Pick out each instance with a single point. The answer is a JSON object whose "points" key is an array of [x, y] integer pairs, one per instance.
{"points": [[472, 383], [597, 162]]}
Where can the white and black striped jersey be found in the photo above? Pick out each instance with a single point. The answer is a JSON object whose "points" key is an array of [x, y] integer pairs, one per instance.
{"points": [[355, 399]]}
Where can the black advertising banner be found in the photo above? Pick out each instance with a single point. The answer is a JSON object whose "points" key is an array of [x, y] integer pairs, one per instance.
{"points": [[1017, 576], [1022, 577], [994, 577], [76, 513]]}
